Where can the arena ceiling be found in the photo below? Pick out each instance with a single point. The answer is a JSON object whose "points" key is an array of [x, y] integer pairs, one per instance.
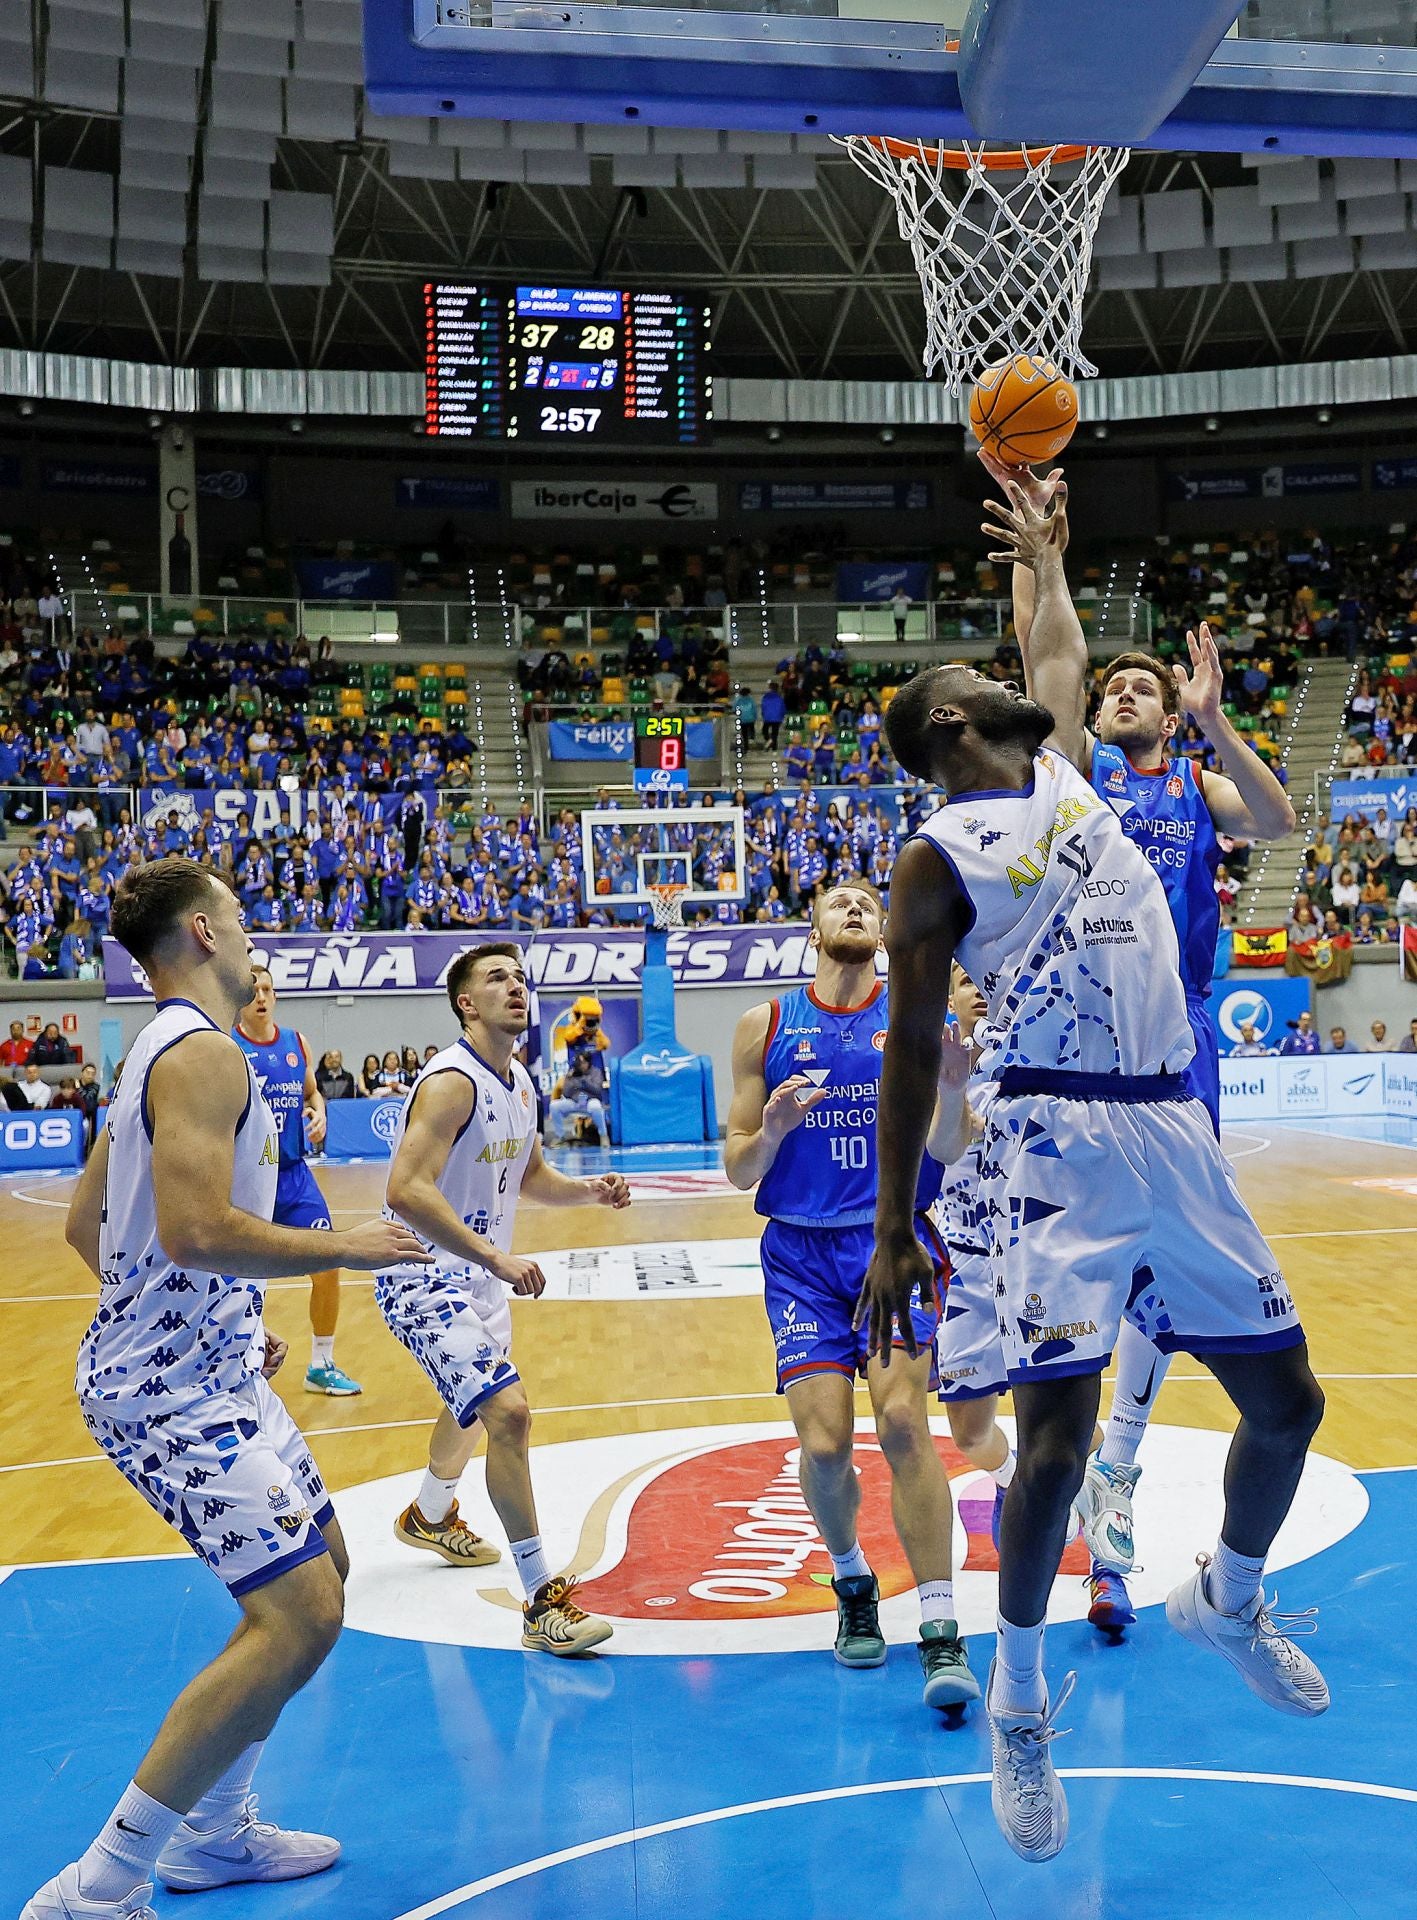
{"points": [[203, 185]]}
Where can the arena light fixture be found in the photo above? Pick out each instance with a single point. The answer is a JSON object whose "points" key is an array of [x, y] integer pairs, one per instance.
{"points": [[1212, 423], [773, 434], [887, 436]]}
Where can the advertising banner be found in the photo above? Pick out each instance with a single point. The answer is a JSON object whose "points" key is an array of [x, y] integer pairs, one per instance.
{"points": [[265, 808], [361, 1129], [30, 1143], [1269, 1006], [857, 582], [1221, 483], [652, 499], [96, 476], [835, 496], [1312, 476], [345, 579], [1391, 475], [586, 959], [448, 493], [1368, 796], [615, 740], [228, 483]]}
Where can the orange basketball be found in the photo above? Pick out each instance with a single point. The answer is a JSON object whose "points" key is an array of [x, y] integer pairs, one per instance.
{"points": [[1023, 411]]}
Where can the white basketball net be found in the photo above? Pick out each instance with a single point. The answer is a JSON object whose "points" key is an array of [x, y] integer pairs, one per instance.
{"points": [[1003, 255], [667, 902]]}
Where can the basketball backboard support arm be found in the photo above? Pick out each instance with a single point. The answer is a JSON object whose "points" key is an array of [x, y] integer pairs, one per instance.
{"points": [[809, 73]]}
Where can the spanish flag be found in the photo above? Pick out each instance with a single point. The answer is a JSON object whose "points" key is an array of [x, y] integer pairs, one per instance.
{"points": [[1260, 946]]}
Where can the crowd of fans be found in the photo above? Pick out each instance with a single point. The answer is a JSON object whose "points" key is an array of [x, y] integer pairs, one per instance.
{"points": [[1304, 1038], [1359, 877]]}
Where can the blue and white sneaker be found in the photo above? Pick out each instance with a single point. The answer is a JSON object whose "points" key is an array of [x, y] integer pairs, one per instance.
{"points": [[1027, 1796], [60, 1899], [332, 1380], [251, 1849], [1111, 1611], [1104, 1507]]}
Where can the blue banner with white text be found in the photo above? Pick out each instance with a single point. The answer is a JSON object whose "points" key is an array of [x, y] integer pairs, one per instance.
{"points": [[345, 579], [856, 582], [1368, 797], [30, 1143]]}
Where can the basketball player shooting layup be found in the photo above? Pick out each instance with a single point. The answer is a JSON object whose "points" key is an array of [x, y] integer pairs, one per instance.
{"points": [[1096, 1162], [466, 1148], [173, 1214], [1172, 810], [806, 1073], [281, 1060]]}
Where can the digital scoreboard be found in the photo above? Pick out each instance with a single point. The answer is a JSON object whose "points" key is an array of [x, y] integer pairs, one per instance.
{"points": [[661, 756], [557, 365]]}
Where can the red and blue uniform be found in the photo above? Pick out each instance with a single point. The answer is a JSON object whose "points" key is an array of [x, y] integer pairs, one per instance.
{"points": [[1163, 811], [819, 1195], [279, 1067]]}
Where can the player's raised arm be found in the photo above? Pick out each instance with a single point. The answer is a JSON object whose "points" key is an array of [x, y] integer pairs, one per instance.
{"points": [[1041, 493], [926, 919], [441, 1110], [1245, 800], [1055, 655], [951, 1125], [757, 1125], [198, 1092]]}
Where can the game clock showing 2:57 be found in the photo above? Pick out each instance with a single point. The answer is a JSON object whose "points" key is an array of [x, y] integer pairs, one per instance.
{"points": [[661, 753]]}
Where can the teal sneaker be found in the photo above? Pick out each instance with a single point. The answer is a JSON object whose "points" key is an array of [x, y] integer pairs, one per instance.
{"points": [[332, 1380], [858, 1628], [949, 1684]]}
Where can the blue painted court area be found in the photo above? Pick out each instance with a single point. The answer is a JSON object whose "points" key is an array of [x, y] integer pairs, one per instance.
{"points": [[748, 1787]]}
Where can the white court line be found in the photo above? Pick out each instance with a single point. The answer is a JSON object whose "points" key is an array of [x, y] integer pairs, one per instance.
{"points": [[97, 1459], [629, 1835], [1262, 1143]]}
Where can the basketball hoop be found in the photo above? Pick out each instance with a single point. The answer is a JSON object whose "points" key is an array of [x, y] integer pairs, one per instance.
{"points": [[1002, 244], [667, 902]]}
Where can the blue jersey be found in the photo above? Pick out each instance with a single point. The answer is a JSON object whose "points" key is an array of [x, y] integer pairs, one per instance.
{"points": [[280, 1072], [1165, 814], [824, 1174]]}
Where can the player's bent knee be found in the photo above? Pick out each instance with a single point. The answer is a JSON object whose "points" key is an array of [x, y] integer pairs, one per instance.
{"points": [[971, 1423], [826, 1455], [903, 1431], [507, 1417]]}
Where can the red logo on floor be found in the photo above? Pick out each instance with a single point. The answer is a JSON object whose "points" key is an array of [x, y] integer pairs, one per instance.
{"points": [[727, 1534]]}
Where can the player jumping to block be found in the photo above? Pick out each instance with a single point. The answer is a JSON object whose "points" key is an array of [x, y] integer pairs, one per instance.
{"points": [[465, 1150], [282, 1064], [173, 1214], [1097, 1162], [1172, 810], [806, 1073]]}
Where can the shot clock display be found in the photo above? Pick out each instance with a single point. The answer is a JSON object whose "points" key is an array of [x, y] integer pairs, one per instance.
{"points": [[661, 758], [560, 364]]}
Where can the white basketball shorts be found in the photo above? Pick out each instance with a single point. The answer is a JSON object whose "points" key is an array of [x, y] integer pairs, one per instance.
{"points": [[1100, 1207], [969, 1352], [457, 1329]]}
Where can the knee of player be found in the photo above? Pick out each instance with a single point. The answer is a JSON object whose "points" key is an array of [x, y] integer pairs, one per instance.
{"points": [[826, 1454], [902, 1431], [1298, 1413], [513, 1421], [1054, 1460], [970, 1424]]}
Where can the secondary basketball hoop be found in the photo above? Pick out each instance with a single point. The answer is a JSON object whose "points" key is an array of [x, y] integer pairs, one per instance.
{"points": [[1002, 241], [667, 903]]}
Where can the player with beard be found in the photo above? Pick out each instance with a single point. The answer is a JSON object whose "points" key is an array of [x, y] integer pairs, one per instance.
{"points": [[1096, 1162], [806, 1075], [1172, 809]]}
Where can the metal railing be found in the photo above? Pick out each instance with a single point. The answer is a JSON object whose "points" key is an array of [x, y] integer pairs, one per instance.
{"points": [[1116, 620]]}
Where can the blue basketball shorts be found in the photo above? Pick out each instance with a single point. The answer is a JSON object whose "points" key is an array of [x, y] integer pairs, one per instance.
{"points": [[812, 1280], [299, 1201], [1202, 1076]]}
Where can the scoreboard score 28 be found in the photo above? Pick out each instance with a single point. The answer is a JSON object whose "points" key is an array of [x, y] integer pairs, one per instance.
{"points": [[661, 756]]}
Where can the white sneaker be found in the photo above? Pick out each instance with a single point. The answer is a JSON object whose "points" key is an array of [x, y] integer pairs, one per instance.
{"points": [[1255, 1643], [1104, 1506], [60, 1899], [1028, 1799], [251, 1849]]}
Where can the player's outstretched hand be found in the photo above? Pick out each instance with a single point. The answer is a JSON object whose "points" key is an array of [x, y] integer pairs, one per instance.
{"points": [[789, 1105], [1025, 531], [897, 1268], [956, 1058], [376, 1245], [523, 1276], [1202, 690], [1041, 493], [609, 1190], [315, 1126]]}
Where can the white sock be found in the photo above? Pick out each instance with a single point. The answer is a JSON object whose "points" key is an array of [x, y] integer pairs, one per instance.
{"points": [[1232, 1581], [322, 1350], [1001, 1476], [850, 1565], [1140, 1372], [532, 1569], [125, 1852], [1018, 1674], [937, 1600], [219, 1805], [435, 1496]]}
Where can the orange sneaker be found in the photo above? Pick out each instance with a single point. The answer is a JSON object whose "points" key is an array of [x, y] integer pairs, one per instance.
{"points": [[452, 1539], [553, 1623]]}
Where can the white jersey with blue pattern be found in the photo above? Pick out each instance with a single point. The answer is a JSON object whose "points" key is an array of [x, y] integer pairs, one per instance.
{"points": [[1069, 936], [165, 1333], [483, 1176]]}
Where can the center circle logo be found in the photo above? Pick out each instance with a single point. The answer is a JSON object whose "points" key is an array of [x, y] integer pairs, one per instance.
{"points": [[699, 1541], [384, 1120], [1245, 1008]]}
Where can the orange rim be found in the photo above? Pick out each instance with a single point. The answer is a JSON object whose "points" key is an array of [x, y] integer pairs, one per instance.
{"points": [[1007, 160]]}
